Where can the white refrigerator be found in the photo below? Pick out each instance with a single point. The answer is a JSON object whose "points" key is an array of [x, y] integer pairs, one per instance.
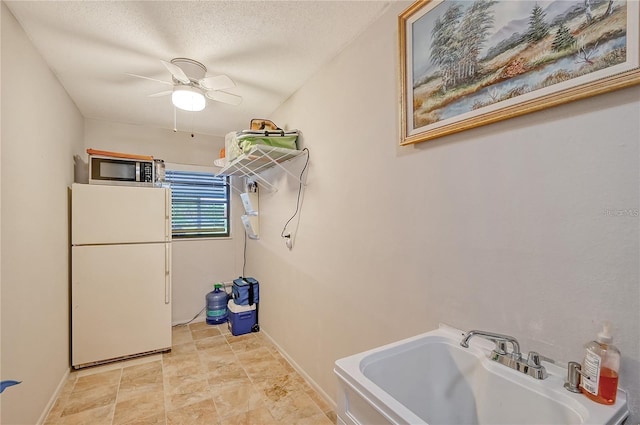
{"points": [[120, 272]]}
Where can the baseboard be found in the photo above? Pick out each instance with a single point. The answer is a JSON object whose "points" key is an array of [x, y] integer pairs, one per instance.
{"points": [[301, 371], [53, 398]]}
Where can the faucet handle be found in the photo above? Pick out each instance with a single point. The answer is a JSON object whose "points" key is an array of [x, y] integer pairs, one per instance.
{"points": [[501, 347], [535, 359]]}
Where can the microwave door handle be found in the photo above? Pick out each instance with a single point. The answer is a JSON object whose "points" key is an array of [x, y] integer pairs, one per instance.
{"points": [[138, 172]]}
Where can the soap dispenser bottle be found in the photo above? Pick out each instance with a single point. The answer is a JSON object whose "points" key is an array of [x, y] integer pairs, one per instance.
{"points": [[600, 368]]}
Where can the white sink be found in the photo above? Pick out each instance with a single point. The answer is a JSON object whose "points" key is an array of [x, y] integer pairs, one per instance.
{"points": [[431, 379]]}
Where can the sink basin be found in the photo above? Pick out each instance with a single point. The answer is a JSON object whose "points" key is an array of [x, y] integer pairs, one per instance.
{"points": [[431, 379]]}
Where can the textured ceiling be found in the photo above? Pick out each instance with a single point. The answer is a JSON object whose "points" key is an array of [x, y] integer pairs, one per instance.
{"points": [[269, 48]]}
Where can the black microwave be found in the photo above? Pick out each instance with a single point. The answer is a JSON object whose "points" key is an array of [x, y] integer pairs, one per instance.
{"points": [[121, 171]]}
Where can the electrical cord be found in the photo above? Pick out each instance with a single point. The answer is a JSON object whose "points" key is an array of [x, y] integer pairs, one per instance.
{"points": [[194, 318], [224, 285], [244, 254], [284, 229], [244, 249]]}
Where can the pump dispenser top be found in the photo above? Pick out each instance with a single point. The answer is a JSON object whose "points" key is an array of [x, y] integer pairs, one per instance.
{"points": [[600, 368], [604, 336]]}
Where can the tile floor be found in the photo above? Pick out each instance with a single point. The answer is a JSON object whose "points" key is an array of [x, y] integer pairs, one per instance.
{"points": [[209, 377]]}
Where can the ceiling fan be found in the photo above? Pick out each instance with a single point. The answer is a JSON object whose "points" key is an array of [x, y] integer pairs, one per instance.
{"points": [[191, 85]]}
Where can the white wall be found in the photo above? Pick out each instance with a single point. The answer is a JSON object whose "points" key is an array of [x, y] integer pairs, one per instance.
{"points": [[41, 131], [510, 227], [178, 147], [196, 264], [504, 227]]}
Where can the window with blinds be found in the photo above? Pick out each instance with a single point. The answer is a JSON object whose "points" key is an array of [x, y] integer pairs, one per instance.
{"points": [[200, 204]]}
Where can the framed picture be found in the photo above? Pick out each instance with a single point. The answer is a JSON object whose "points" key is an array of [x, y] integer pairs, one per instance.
{"points": [[467, 63]]}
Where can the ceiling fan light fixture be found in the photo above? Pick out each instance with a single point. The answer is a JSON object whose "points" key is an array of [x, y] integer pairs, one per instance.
{"points": [[188, 98]]}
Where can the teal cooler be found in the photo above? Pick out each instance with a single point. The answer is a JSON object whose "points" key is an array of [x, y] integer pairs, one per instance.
{"points": [[242, 318]]}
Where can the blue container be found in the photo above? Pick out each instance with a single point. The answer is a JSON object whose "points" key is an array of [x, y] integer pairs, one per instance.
{"points": [[242, 318], [245, 291], [217, 306]]}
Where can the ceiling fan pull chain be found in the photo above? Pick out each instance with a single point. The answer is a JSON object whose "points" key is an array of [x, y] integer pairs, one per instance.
{"points": [[192, 126], [175, 121]]}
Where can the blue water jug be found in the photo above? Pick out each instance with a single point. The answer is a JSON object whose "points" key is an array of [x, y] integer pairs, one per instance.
{"points": [[217, 306]]}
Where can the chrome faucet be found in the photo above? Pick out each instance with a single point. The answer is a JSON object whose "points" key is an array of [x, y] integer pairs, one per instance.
{"points": [[531, 366], [499, 339]]}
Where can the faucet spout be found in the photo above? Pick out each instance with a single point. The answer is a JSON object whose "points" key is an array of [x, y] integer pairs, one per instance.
{"points": [[497, 338]]}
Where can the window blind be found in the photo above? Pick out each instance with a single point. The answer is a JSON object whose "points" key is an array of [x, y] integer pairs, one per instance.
{"points": [[200, 204]]}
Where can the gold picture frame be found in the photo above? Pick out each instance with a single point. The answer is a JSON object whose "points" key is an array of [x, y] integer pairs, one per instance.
{"points": [[465, 64]]}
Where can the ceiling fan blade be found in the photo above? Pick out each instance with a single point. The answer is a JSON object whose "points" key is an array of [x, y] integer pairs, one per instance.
{"points": [[151, 79], [224, 97], [219, 82], [177, 72], [162, 93]]}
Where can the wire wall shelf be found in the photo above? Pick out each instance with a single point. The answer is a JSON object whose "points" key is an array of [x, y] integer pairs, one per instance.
{"points": [[261, 158]]}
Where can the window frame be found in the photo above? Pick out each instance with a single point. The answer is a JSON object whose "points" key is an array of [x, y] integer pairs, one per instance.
{"points": [[173, 167]]}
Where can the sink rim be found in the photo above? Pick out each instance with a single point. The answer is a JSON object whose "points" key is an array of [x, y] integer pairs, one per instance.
{"points": [[550, 388]]}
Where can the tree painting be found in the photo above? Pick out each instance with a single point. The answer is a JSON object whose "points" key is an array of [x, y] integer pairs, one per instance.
{"points": [[471, 54], [538, 28]]}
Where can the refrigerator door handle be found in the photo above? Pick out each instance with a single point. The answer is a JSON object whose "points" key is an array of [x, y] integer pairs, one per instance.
{"points": [[167, 273], [167, 215]]}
